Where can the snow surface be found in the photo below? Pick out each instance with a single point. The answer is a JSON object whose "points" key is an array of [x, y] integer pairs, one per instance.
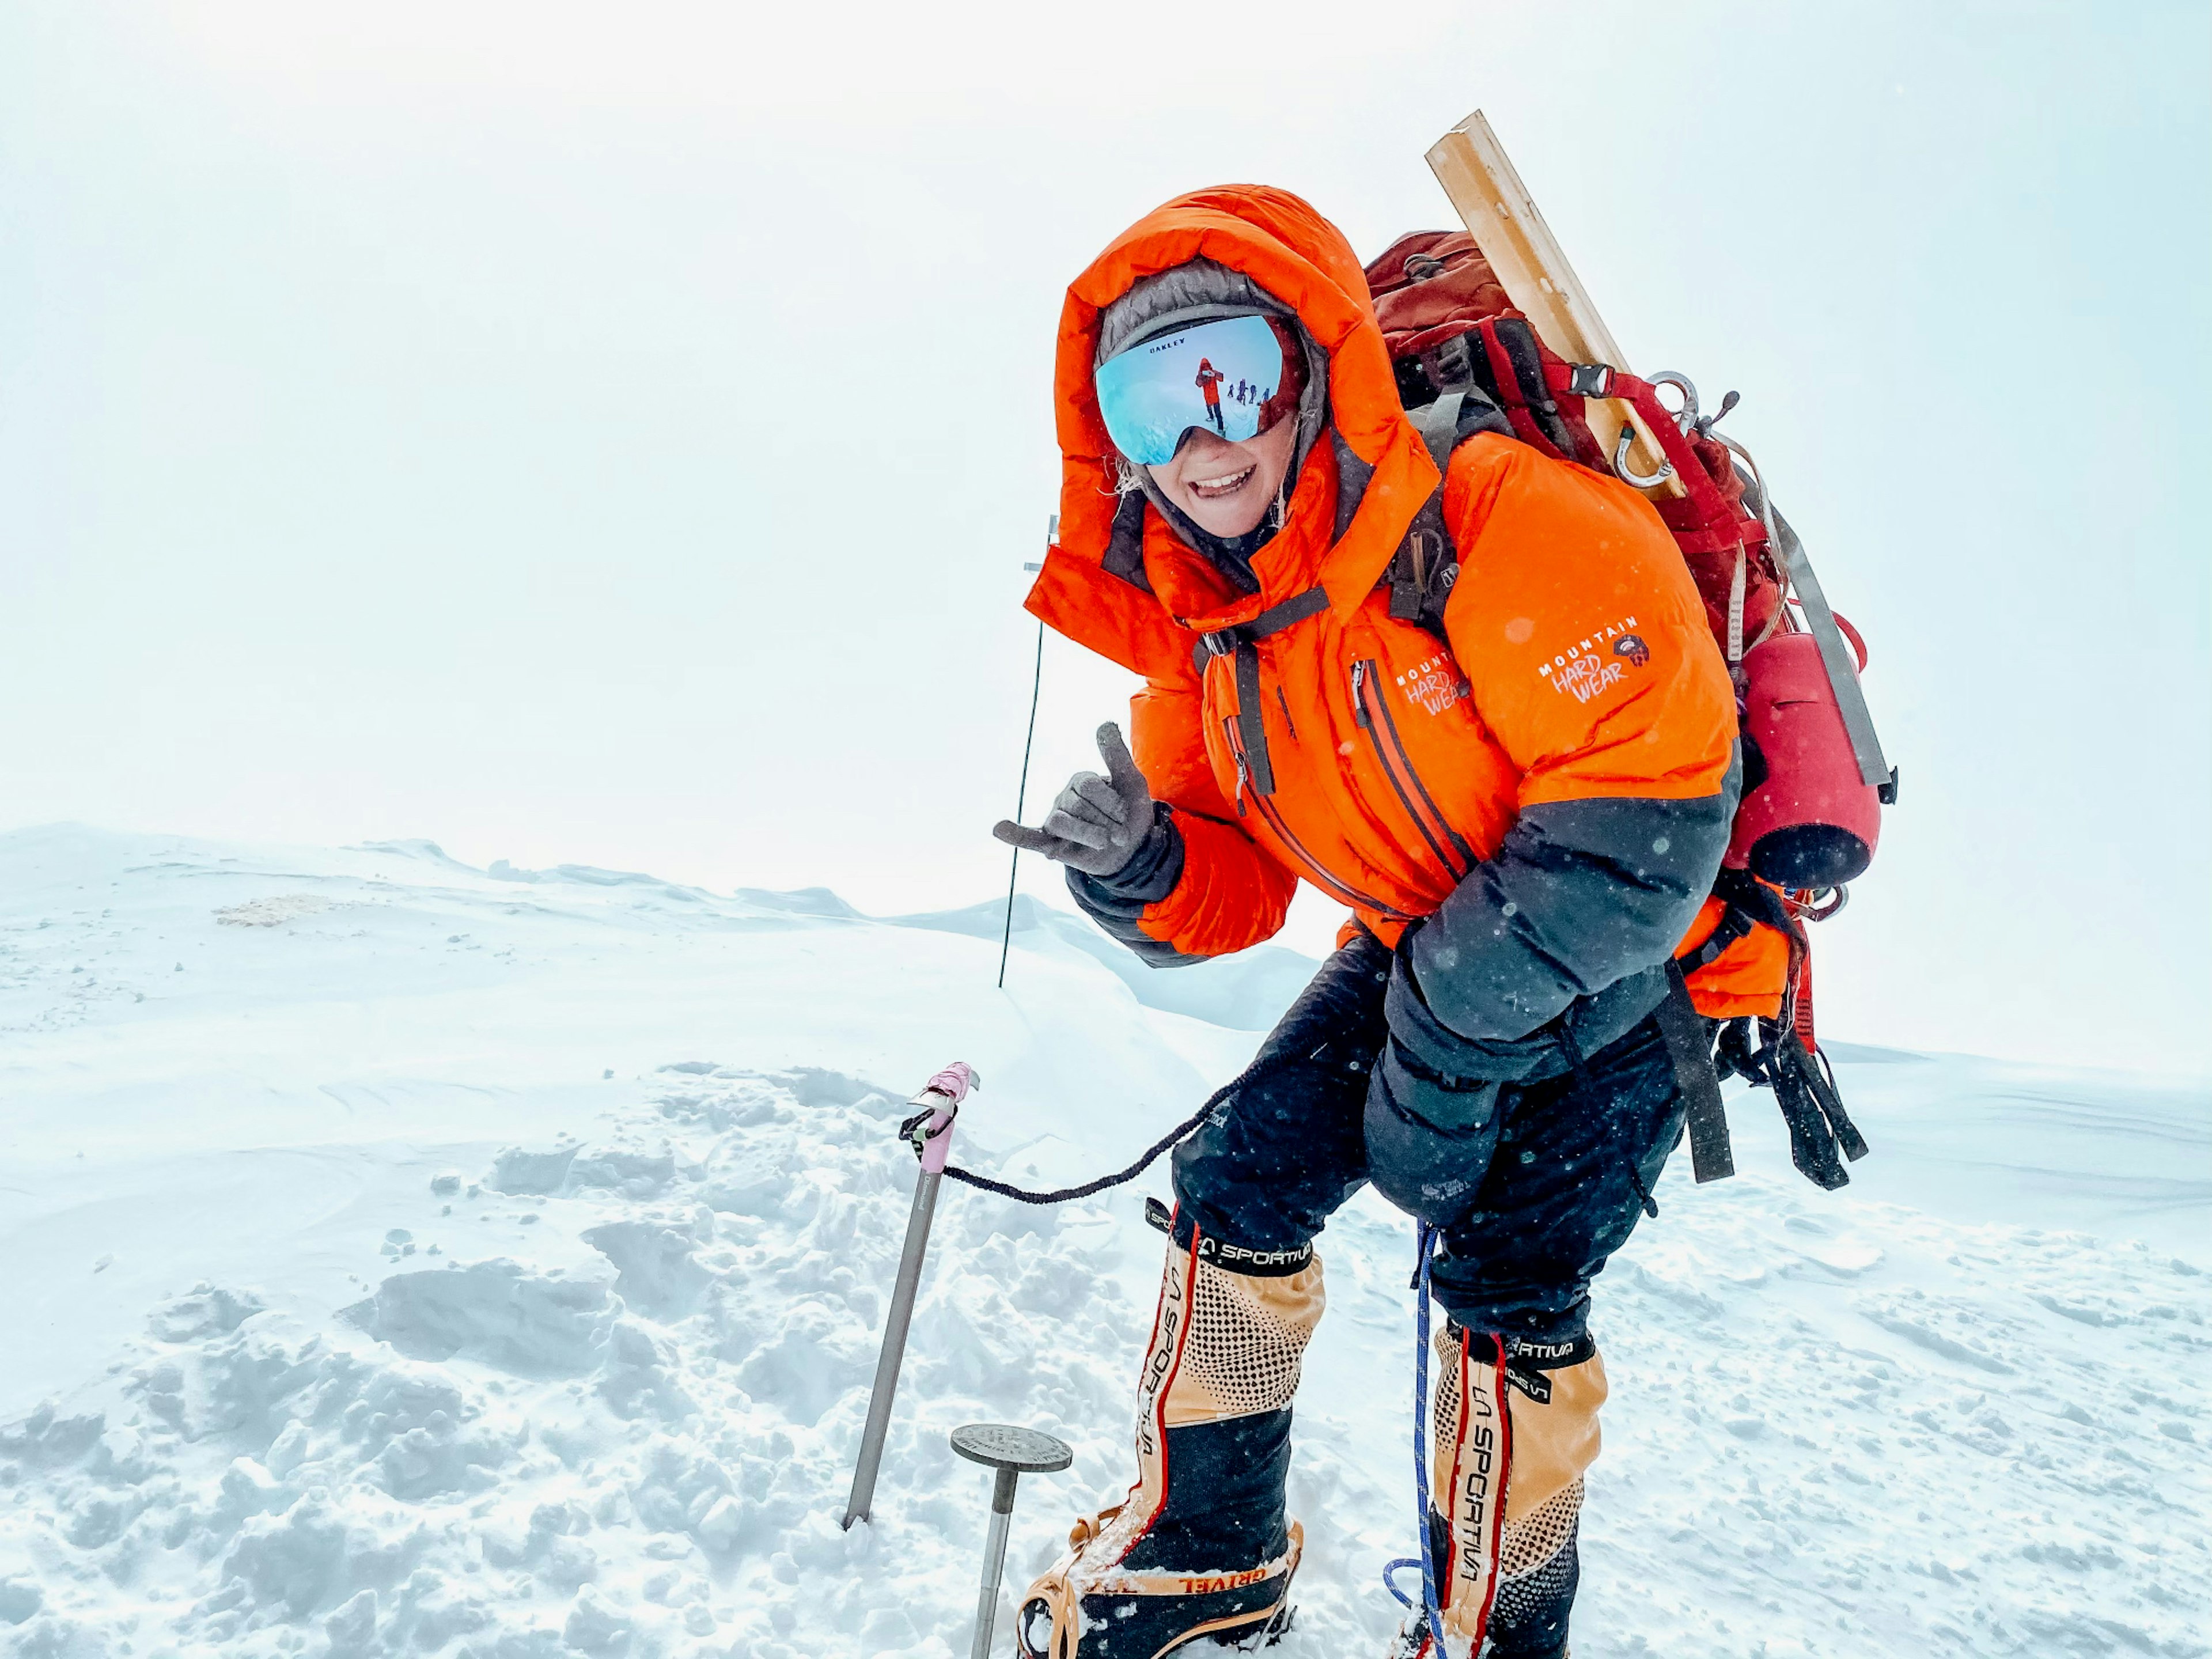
{"points": [[399, 1257]]}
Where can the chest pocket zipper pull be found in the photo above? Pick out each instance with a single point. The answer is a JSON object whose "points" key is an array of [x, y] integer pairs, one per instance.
{"points": [[1236, 754]]}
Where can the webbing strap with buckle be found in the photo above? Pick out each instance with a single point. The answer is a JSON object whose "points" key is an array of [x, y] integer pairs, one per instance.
{"points": [[1683, 1029], [1239, 642], [1735, 922], [1420, 574]]}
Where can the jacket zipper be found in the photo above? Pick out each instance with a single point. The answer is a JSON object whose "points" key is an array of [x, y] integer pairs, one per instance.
{"points": [[1313, 868], [1372, 712]]}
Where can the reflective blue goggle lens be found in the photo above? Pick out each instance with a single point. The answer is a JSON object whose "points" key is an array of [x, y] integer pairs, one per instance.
{"points": [[1215, 377]]}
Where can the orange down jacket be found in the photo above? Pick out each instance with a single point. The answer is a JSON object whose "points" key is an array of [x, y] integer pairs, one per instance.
{"points": [[1548, 788]]}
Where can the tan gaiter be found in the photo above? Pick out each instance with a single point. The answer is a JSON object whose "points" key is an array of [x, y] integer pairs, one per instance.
{"points": [[1507, 1472], [1224, 1345]]}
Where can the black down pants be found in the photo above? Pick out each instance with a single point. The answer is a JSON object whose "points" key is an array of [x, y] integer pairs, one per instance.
{"points": [[1574, 1156], [1551, 1194]]}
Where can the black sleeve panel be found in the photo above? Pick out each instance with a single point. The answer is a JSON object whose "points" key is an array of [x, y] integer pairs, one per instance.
{"points": [[1117, 903], [1580, 894]]}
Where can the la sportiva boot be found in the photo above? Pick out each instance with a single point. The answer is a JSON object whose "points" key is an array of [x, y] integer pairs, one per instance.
{"points": [[1078, 1612], [1201, 1548], [1511, 1438]]}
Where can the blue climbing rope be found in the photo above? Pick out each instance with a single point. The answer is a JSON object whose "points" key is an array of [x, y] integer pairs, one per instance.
{"points": [[1425, 1243]]}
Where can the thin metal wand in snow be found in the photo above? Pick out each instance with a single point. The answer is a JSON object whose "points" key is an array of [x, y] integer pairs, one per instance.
{"points": [[1012, 1453], [1021, 794]]}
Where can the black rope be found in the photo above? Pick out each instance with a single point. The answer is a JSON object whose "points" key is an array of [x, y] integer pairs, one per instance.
{"points": [[1067, 1194], [1021, 800], [1182, 1131]]}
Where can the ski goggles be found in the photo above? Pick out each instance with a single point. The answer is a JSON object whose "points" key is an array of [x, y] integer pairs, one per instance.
{"points": [[1232, 376]]}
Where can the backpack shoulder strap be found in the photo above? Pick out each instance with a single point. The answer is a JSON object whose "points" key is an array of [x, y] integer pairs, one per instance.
{"points": [[1421, 573], [1125, 548]]}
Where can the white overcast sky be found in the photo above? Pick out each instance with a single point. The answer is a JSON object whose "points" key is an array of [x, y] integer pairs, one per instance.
{"points": [[614, 435]]}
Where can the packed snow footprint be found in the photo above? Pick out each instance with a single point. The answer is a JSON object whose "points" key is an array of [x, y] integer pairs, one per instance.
{"points": [[640, 1453]]}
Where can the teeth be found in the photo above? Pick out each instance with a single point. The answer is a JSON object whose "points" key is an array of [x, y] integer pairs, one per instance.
{"points": [[1224, 482]]}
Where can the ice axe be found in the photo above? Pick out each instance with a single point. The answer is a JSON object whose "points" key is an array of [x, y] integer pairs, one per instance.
{"points": [[939, 1104]]}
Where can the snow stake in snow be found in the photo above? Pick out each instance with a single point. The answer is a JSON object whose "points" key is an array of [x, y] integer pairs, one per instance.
{"points": [[931, 1129], [1013, 1453]]}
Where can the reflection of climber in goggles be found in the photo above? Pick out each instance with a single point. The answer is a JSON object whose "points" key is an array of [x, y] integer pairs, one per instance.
{"points": [[1170, 384], [1209, 383]]}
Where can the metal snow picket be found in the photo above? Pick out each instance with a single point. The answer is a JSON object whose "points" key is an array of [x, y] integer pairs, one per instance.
{"points": [[940, 1099], [1013, 1453]]}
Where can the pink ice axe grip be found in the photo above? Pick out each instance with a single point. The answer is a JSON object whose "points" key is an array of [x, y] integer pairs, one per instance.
{"points": [[954, 1081], [950, 1085]]}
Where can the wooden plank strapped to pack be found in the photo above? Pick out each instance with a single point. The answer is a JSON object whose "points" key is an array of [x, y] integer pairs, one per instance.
{"points": [[1532, 268], [1499, 212]]}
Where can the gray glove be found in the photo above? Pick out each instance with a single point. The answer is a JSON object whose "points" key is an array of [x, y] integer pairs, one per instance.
{"points": [[1097, 823]]}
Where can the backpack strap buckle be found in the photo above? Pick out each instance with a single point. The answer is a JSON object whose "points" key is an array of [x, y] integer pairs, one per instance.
{"points": [[1455, 365], [1590, 379]]}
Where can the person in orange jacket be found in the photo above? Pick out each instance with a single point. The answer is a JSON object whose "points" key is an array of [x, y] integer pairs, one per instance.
{"points": [[1208, 380], [1523, 817]]}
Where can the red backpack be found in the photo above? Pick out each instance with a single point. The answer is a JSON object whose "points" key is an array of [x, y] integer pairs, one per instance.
{"points": [[1447, 324], [1815, 777], [1466, 361]]}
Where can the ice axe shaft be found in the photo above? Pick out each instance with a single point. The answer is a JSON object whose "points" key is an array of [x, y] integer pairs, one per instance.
{"points": [[942, 1095], [893, 1349]]}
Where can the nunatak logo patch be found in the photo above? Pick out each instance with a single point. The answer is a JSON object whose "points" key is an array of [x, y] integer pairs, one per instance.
{"points": [[1600, 659]]}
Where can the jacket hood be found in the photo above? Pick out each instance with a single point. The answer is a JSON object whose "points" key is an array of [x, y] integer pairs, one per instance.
{"points": [[1298, 257]]}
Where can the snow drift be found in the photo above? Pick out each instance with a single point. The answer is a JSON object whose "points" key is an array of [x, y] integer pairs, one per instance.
{"points": [[402, 1258]]}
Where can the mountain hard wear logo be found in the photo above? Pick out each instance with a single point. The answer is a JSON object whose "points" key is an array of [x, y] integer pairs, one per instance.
{"points": [[1435, 684], [1584, 670]]}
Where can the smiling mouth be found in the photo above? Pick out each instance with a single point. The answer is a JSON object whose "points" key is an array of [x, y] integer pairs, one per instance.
{"points": [[1212, 489]]}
